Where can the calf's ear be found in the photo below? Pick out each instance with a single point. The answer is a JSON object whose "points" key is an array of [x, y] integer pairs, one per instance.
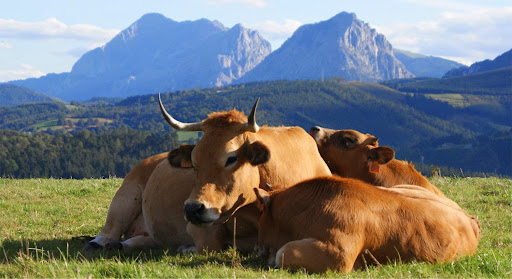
{"points": [[181, 157], [257, 153], [263, 197], [371, 140], [382, 154]]}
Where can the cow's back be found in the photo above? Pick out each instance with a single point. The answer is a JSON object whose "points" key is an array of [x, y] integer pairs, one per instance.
{"points": [[397, 172], [143, 170], [294, 156]]}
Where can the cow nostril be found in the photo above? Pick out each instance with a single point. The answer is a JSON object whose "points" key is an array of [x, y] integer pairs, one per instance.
{"points": [[194, 208]]}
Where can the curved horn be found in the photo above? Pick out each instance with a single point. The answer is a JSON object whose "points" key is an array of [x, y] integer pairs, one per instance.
{"points": [[251, 123], [175, 123]]}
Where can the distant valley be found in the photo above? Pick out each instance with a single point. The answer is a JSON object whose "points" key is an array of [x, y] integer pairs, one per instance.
{"points": [[420, 128], [338, 73]]}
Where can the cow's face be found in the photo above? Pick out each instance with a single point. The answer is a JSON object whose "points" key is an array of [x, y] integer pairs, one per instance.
{"points": [[343, 150], [226, 166], [226, 163]]}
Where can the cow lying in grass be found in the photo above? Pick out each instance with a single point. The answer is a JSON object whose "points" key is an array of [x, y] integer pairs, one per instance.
{"points": [[349, 153], [343, 224], [147, 210], [233, 154]]}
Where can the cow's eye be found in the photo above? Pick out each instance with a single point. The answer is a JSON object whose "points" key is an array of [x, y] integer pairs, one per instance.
{"points": [[230, 161]]}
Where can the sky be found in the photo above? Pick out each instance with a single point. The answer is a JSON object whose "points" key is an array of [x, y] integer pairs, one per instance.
{"points": [[38, 37]]}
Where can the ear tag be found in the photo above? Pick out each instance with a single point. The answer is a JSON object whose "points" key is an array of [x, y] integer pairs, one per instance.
{"points": [[374, 167]]}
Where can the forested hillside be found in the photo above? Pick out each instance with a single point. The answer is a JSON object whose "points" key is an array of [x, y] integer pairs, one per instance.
{"points": [[420, 129], [495, 82], [12, 95], [84, 154]]}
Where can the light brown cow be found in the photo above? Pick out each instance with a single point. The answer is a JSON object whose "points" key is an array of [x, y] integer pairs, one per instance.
{"points": [[233, 155], [161, 222], [349, 153], [343, 224]]}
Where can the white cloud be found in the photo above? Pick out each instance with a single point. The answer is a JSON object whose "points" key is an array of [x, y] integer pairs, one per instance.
{"points": [[24, 71], [277, 32], [255, 3], [53, 28], [5, 45], [445, 4], [468, 36]]}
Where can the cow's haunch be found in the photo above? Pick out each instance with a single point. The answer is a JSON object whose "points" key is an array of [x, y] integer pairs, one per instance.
{"points": [[341, 223]]}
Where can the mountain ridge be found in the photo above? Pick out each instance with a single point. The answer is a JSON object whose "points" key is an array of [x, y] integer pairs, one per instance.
{"points": [[13, 95], [501, 61], [425, 65], [340, 46], [156, 54]]}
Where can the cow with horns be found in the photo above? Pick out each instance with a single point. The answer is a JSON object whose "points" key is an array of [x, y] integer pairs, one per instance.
{"points": [[233, 155]]}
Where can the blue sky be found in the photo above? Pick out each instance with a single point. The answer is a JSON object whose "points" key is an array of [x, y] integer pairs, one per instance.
{"points": [[48, 36]]}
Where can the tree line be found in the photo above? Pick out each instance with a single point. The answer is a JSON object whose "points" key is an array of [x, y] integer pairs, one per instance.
{"points": [[82, 154]]}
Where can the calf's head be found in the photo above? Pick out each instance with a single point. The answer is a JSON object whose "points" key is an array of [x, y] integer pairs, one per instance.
{"points": [[346, 150], [226, 163]]}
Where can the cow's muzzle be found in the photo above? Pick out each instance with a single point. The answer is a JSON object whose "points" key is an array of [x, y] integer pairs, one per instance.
{"points": [[199, 213]]}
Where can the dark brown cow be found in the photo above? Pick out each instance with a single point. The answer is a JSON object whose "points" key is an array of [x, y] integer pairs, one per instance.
{"points": [[342, 223], [233, 155], [349, 153]]}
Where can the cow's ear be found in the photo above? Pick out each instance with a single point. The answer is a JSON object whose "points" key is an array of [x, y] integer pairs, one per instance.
{"points": [[382, 155], [263, 197], [371, 140], [181, 157], [257, 153]]}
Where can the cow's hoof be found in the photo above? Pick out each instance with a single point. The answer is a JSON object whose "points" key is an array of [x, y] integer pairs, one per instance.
{"points": [[186, 249], [91, 245], [114, 246]]}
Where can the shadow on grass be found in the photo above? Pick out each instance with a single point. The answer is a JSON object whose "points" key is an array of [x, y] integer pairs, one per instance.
{"points": [[72, 249]]}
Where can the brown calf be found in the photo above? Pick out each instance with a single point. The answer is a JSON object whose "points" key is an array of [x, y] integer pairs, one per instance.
{"points": [[349, 153], [341, 224]]}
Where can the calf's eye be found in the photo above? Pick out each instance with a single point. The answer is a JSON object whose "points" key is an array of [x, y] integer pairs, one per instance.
{"points": [[230, 161]]}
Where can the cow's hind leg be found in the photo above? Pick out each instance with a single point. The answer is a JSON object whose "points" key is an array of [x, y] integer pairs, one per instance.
{"points": [[125, 207], [314, 256], [133, 243]]}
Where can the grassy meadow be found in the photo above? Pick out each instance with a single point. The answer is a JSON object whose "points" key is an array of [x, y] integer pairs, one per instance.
{"points": [[39, 218]]}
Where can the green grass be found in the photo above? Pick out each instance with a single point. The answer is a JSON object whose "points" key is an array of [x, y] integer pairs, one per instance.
{"points": [[39, 217], [454, 99], [187, 136]]}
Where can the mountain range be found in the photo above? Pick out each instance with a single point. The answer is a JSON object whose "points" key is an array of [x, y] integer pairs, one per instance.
{"points": [[156, 53], [502, 61]]}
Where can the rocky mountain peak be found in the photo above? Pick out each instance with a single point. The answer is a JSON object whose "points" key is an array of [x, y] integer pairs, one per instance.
{"points": [[340, 46], [156, 53]]}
